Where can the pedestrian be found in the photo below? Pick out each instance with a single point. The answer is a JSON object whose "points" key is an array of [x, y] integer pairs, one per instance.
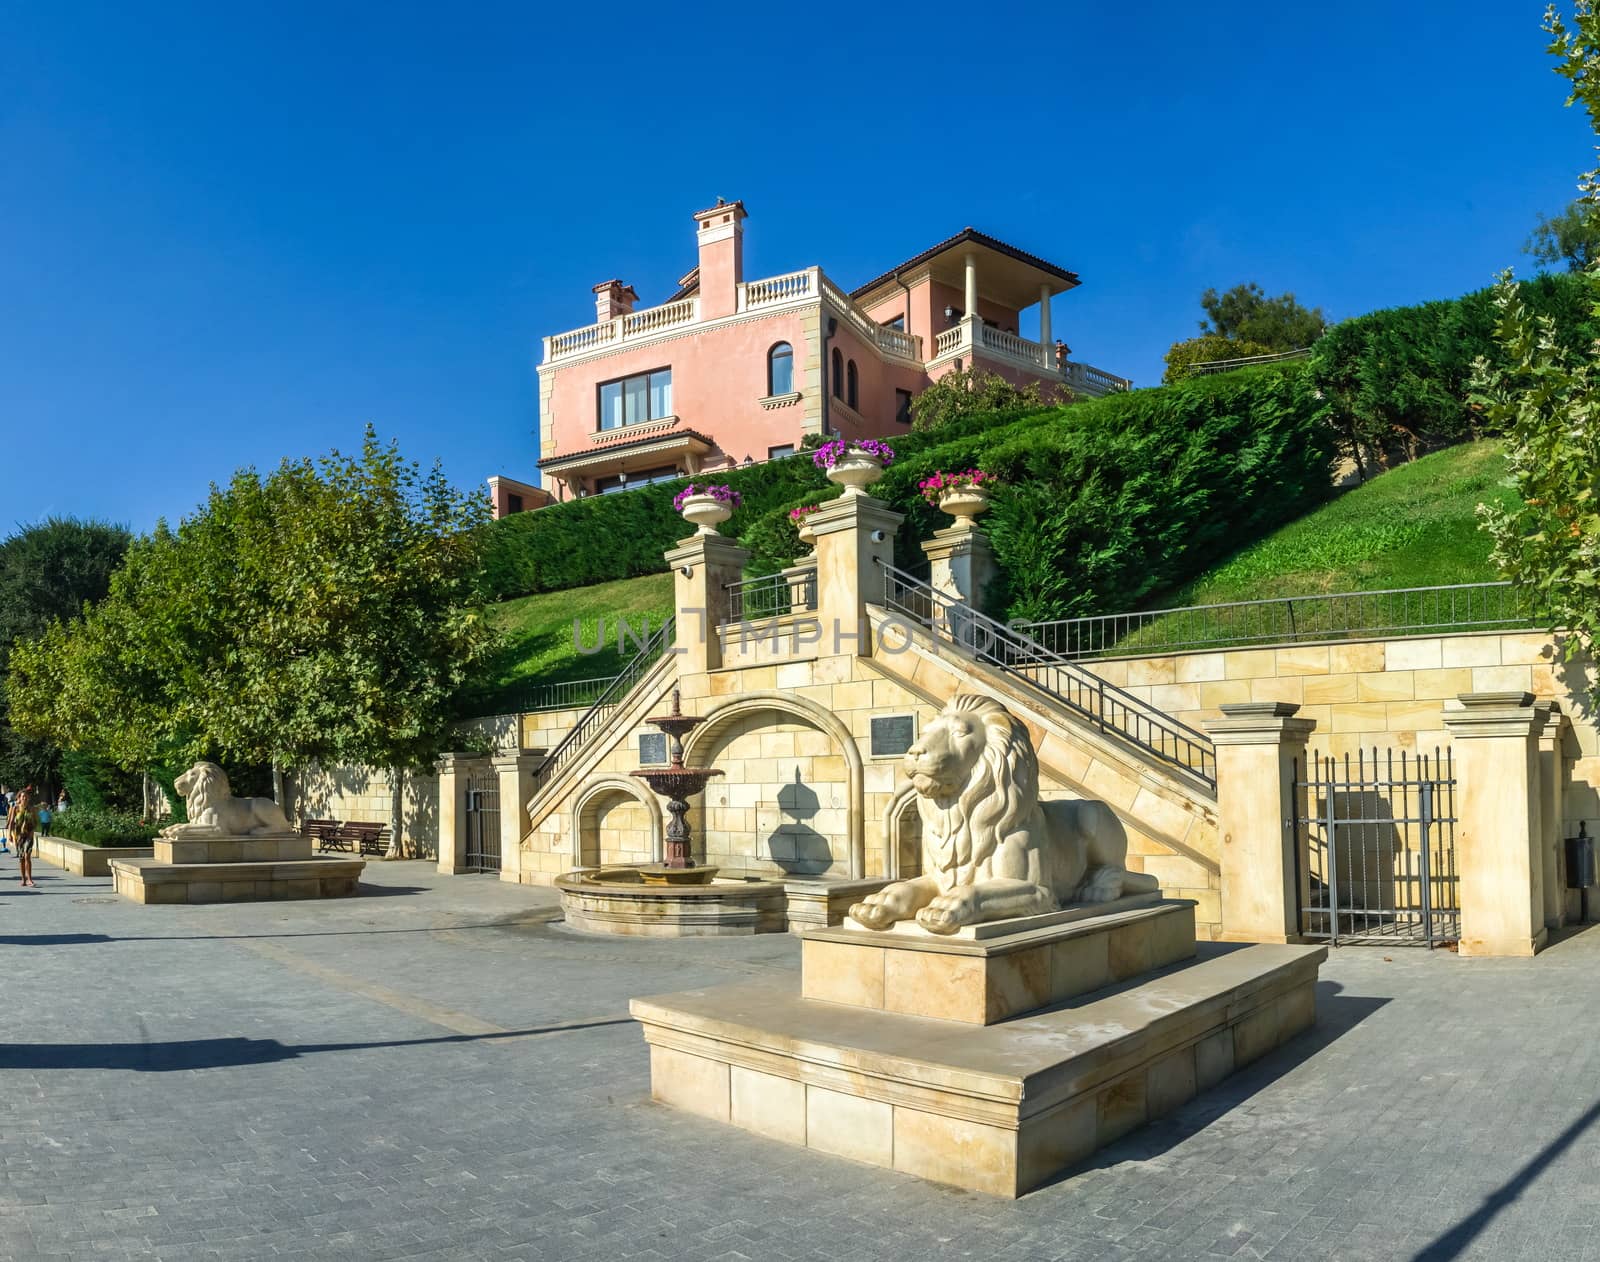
{"points": [[5, 822], [43, 814], [21, 823]]}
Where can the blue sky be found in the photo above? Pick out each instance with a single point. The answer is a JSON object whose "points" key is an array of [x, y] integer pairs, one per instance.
{"points": [[232, 233]]}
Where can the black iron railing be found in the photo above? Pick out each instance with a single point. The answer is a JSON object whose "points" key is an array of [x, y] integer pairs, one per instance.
{"points": [[569, 694], [1104, 705], [597, 714], [776, 594], [1376, 848], [1458, 609]]}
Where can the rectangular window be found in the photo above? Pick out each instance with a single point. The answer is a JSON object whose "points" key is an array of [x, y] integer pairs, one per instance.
{"points": [[778, 453], [902, 406], [513, 503], [645, 397], [899, 322]]}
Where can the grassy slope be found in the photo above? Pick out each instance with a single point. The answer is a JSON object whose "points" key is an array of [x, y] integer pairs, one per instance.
{"points": [[1415, 526], [537, 638]]}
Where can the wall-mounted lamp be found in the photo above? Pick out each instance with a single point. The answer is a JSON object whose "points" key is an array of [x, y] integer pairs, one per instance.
{"points": [[748, 460], [833, 325], [953, 314]]}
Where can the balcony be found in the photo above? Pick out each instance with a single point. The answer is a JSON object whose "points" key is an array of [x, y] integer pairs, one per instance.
{"points": [[772, 292], [973, 338]]}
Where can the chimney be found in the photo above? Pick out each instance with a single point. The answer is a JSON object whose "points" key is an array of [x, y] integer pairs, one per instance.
{"points": [[612, 298], [721, 240]]}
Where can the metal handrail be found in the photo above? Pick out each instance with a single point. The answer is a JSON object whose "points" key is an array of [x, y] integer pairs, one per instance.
{"points": [[1286, 620], [1207, 366], [1109, 708], [771, 595], [565, 694], [596, 715]]}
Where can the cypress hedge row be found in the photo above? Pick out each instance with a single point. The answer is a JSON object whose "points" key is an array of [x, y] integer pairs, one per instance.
{"points": [[1105, 502]]}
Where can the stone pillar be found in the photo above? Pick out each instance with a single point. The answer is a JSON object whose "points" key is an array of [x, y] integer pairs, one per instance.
{"points": [[1553, 737], [1044, 326], [515, 775], [971, 294], [1495, 743], [1258, 743], [962, 562], [452, 812], [702, 568], [855, 539]]}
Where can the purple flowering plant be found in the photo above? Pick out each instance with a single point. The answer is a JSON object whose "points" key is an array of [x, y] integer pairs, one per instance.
{"points": [[941, 483], [722, 494], [829, 454]]}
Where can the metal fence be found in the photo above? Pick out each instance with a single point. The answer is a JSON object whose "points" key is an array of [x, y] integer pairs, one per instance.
{"points": [[482, 803], [1104, 705], [771, 596], [594, 718], [569, 694], [1457, 608], [1209, 366], [1376, 837]]}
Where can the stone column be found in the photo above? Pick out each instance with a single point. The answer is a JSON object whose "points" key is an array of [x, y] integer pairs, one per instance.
{"points": [[452, 813], [1044, 326], [1495, 747], [702, 568], [855, 539], [1553, 738], [970, 262], [515, 775], [962, 562], [1258, 743]]}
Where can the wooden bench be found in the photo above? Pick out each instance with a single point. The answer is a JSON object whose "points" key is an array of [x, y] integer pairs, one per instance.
{"points": [[366, 838], [324, 834]]}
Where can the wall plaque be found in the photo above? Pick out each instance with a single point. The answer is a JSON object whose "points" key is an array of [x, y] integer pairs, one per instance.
{"points": [[652, 747], [893, 735]]}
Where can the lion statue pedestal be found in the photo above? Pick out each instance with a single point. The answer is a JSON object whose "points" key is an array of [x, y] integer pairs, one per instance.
{"points": [[232, 850], [966, 1025]]}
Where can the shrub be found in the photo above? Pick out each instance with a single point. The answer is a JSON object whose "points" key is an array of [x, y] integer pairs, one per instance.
{"points": [[103, 827], [1184, 355], [972, 392]]}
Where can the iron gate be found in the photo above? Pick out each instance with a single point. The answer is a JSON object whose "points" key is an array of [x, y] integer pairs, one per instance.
{"points": [[1376, 838], [483, 821]]}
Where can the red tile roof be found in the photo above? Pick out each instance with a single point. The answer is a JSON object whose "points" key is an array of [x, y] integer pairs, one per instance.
{"points": [[981, 238], [624, 440]]}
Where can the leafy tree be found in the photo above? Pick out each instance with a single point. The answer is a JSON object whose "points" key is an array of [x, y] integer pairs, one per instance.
{"points": [[1245, 314], [971, 392], [48, 572], [328, 612], [1571, 237], [1548, 399], [1182, 356]]}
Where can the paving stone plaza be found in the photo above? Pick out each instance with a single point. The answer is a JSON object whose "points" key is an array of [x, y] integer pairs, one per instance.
{"points": [[438, 1069]]}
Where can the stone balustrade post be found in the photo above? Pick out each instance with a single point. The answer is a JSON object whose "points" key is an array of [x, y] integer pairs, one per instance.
{"points": [[1495, 749], [1258, 744], [452, 813], [855, 540], [962, 562], [514, 772], [702, 568]]}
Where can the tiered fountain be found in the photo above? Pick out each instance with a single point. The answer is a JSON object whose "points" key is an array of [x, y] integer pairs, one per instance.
{"points": [[677, 784], [676, 897]]}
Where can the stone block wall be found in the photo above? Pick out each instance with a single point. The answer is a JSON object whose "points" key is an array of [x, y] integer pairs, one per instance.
{"points": [[362, 794]]}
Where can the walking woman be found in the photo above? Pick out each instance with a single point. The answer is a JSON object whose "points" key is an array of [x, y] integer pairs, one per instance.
{"points": [[21, 823]]}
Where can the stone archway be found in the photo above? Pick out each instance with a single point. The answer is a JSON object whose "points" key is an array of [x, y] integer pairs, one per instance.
{"points": [[794, 799], [903, 836], [623, 808]]}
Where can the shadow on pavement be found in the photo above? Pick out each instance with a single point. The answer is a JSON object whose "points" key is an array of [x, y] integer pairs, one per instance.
{"points": [[183, 1054]]}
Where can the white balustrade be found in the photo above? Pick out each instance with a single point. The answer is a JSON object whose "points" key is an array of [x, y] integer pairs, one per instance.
{"points": [[890, 341], [1015, 347], [1094, 382], [950, 340], [653, 319], [774, 289]]}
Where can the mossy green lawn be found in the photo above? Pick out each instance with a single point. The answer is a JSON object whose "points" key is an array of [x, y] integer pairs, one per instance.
{"points": [[1414, 526], [538, 645]]}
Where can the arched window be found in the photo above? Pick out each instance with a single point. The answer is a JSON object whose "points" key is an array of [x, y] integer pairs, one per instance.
{"points": [[780, 369], [838, 374], [850, 386]]}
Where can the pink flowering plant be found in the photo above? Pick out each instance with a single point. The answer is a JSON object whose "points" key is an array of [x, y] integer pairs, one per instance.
{"points": [[830, 454], [798, 515], [722, 494], [941, 484]]}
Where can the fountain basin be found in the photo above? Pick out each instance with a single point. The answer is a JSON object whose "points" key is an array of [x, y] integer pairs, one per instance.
{"points": [[631, 901]]}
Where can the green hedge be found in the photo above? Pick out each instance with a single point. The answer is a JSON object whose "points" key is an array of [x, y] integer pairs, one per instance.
{"points": [[1397, 380], [103, 827], [1106, 502]]}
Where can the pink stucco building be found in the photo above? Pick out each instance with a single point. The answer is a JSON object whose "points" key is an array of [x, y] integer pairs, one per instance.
{"points": [[730, 370]]}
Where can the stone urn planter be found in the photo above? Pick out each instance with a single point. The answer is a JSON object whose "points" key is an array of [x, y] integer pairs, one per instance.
{"points": [[706, 512], [855, 471], [808, 537], [964, 503]]}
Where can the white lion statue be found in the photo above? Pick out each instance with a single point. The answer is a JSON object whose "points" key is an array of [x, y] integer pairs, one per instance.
{"points": [[990, 849], [215, 812]]}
